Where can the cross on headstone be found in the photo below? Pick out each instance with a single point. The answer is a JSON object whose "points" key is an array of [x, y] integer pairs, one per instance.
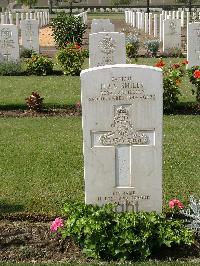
{"points": [[6, 55], [123, 137], [198, 53]]}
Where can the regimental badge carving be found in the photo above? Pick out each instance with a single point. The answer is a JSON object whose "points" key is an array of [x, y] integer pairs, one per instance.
{"points": [[107, 46], [123, 131], [198, 32], [172, 26], [6, 36]]}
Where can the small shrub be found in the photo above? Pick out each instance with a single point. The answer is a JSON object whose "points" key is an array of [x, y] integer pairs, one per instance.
{"points": [[172, 77], [39, 65], [11, 69], [27, 53], [67, 29], [86, 53], [132, 46], [194, 76], [173, 52], [35, 102], [152, 47], [105, 234], [71, 59]]}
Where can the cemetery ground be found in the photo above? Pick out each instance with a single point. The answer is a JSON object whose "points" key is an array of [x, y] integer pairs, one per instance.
{"points": [[41, 167]]}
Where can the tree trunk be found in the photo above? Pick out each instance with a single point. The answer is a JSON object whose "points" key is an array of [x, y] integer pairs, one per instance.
{"points": [[50, 3], [70, 7], [148, 4], [190, 6]]}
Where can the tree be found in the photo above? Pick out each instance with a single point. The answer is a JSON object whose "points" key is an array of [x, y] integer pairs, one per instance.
{"points": [[121, 2], [188, 3], [28, 3], [70, 4], [148, 4]]}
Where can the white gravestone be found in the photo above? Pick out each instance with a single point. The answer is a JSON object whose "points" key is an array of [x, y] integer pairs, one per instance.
{"points": [[107, 48], [171, 34], [193, 44], [30, 34], [102, 25], [122, 136], [9, 45]]}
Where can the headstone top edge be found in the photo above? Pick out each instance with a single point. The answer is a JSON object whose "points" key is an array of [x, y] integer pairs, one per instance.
{"points": [[157, 69], [108, 32]]}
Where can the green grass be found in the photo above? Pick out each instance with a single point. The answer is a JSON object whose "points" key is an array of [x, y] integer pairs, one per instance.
{"points": [[60, 91], [41, 162]]}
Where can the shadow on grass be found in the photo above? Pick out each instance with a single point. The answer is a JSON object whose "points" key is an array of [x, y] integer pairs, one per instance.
{"points": [[23, 107], [185, 108], [6, 208]]}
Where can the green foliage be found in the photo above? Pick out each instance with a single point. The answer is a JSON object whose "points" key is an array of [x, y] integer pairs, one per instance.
{"points": [[71, 59], [105, 234], [39, 65], [28, 3], [34, 102], [152, 47], [11, 69], [67, 29], [132, 46], [172, 52], [195, 79], [172, 77], [27, 53], [120, 2]]}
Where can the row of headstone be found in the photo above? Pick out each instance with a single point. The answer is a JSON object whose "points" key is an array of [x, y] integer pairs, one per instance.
{"points": [[102, 25], [16, 18], [122, 127], [9, 39]]}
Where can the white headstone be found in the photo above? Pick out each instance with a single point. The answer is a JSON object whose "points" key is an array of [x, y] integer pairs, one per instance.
{"points": [[150, 23], [182, 18], [9, 45], [171, 34], [155, 24], [146, 23], [161, 27], [122, 136], [193, 44], [101, 25], [30, 34], [17, 19], [107, 48], [2, 18]]}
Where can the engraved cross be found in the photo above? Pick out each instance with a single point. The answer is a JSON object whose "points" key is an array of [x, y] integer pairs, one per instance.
{"points": [[123, 137]]}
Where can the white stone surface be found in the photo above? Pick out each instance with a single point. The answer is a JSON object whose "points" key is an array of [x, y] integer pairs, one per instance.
{"points": [[155, 25], [171, 34], [9, 45], [102, 25], [193, 44], [146, 23], [161, 27], [150, 23], [30, 34], [107, 48], [122, 136]]}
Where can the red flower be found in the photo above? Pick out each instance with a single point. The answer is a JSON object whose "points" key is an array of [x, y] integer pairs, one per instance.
{"points": [[175, 202], [160, 63], [185, 62], [196, 74], [175, 66], [178, 82]]}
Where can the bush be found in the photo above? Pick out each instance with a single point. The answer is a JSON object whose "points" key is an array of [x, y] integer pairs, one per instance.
{"points": [[34, 102], [152, 47], [194, 76], [105, 234], [39, 65], [71, 59], [11, 68], [132, 46], [27, 53], [173, 52], [67, 29], [172, 77]]}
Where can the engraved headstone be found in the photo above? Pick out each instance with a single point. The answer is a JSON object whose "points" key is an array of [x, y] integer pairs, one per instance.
{"points": [[107, 48], [30, 34], [193, 44], [9, 45], [122, 136], [171, 34], [102, 25]]}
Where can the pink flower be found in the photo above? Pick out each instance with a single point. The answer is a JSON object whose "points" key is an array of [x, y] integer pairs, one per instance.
{"points": [[57, 223], [175, 202]]}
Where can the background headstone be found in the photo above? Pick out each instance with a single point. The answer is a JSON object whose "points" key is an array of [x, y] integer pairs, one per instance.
{"points": [[171, 34], [30, 34], [193, 44], [122, 136], [9, 44], [107, 48], [102, 25]]}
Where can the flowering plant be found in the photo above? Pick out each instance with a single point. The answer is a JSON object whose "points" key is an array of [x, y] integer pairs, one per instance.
{"points": [[71, 59], [56, 224], [194, 76], [172, 77], [152, 47]]}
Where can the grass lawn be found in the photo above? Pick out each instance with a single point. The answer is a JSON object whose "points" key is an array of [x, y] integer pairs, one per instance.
{"points": [[41, 162]]}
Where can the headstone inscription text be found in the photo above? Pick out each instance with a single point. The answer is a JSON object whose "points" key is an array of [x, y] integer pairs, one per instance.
{"points": [[9, 46], [122, 130]]}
